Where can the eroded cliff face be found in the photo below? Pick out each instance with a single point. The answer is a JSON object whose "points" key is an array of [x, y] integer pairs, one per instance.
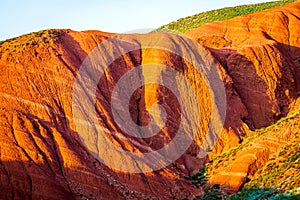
{"points": [[42, 153], [42, 150], [260, 53]]}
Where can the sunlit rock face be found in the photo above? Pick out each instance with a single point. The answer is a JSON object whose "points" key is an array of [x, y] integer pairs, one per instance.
{"points": [[61, 137], [65, 134], [260, 52]]}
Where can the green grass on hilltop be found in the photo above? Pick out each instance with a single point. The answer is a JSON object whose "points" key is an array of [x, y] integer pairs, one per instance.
{"points": [[186, 24]]}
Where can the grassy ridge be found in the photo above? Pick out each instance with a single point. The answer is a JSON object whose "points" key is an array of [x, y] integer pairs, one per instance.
{"points": [[186, 24]]}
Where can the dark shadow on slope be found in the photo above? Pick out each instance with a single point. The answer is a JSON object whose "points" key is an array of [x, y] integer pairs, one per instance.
{"points": [[31, 180], [253, 91]]}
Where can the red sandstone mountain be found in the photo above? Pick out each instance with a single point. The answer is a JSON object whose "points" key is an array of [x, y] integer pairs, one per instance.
{"points": [[43, 157], [260, 52]]}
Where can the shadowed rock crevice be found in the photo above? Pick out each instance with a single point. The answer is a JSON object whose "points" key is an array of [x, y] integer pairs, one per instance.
{"points": [[254, 91]]}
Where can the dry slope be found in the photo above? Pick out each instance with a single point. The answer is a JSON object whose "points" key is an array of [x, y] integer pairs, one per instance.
{"points": [[42, 155]]}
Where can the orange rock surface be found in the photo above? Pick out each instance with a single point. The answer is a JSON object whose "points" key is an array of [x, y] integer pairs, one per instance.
{"points": [[260, 52], [42, 154]]}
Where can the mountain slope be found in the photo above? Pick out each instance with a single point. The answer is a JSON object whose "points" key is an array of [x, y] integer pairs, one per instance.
{"points": [[187, 24], [42, 155], [274, 171], [264, 43], [42, 151]]}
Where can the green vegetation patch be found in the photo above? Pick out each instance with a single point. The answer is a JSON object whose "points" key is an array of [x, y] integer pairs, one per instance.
{"points": [[186, 24]]}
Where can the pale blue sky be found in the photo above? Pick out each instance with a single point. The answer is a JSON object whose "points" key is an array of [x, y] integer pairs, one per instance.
{"points": [[23, 16]]}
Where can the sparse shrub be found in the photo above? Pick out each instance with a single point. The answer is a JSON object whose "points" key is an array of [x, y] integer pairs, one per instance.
{"points": [[212, 193]]}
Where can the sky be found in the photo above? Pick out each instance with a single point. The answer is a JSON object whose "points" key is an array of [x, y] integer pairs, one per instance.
{"points": [[24, 16]]}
